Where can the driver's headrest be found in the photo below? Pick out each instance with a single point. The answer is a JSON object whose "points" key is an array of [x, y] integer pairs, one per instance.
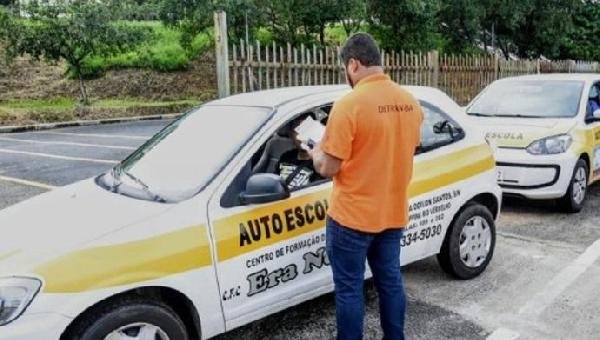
{"points": [[594, 92], [286, 130]]}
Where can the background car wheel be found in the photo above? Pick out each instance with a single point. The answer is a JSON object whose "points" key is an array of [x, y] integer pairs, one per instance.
{"points": [[469, 243], [125, 319], [572, 201]]}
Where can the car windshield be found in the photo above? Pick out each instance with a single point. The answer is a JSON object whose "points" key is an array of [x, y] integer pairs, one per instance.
{"points": [[182, 158], [529, 98]]}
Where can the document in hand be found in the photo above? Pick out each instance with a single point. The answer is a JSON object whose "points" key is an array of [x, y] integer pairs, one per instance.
{"points": [[310, 132]]}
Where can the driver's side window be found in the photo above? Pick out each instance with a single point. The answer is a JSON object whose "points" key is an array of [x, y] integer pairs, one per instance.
{"points": [[592, 112], [281, 155], [438, 129]]}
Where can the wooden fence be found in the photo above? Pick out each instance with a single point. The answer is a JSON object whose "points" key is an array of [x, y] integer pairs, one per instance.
{"points": [[257, 67]]}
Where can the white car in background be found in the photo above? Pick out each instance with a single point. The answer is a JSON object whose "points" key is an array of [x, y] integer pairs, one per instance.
{"points": [[547, 138], [194, 234]]}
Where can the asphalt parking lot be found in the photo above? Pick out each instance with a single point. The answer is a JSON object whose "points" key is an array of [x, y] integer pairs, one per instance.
{"points": [[542, 282]]}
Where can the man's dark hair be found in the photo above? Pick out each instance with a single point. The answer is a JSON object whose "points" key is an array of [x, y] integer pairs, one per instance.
{"points": [[362, 47]]}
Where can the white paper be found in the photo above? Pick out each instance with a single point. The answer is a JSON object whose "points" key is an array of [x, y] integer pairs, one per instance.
{"points": [[310, 132]]}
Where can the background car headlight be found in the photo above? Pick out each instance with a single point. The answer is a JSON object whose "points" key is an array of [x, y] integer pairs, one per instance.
{"points": [[16, 293], [550, 145]]}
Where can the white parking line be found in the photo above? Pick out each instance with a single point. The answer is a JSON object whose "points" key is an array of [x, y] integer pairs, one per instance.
{"points": [[67, 143], [545, 297], [94, 135], [26, 182], [47, 155], [503, 334]]}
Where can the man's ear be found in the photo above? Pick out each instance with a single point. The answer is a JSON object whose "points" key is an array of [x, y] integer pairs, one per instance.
{"points": [[354, 65]]}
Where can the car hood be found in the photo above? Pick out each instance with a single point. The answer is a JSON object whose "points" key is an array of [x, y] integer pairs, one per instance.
{"points": [[519, 133], [40, 229]]}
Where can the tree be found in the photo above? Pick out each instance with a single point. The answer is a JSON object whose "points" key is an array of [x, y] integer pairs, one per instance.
{"points": [[351, 14], [582, 42], [193, 16], [68, 31], [407, 25], [284, 18], [546, 26], [504, 18], [461, 24]]}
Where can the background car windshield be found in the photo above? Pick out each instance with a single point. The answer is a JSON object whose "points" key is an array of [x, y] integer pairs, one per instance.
{"points": [[531, 98], [178, 161]]}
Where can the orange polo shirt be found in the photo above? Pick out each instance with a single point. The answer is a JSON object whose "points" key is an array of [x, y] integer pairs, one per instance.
{"points": [[374, 129]]}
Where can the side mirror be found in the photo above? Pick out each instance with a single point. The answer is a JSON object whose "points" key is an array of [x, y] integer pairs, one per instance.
{"points": [[263, 188], [444, 127]]}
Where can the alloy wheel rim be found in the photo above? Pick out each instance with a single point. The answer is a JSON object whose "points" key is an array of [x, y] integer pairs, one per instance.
{"points": [[579, 186], [475, 242], [138, 331]]}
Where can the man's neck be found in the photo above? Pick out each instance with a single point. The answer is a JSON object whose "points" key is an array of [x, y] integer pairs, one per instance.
{"points": [[369, 71]]}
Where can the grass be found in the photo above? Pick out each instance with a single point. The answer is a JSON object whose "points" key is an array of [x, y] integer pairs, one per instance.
{"points": [[27, 111], [161, 51], [37, 104]]}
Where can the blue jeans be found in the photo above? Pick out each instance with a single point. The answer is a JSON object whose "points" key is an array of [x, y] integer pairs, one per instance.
{"points": [[348, 250]]}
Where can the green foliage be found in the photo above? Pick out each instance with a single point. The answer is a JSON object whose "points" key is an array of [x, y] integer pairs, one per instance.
{"points": [[70, 31], [135, 9], [202, 43], [194, 16], [336, 35], [461, 24], [582, 42], [264, 35], [408, 25], [161, 51]]}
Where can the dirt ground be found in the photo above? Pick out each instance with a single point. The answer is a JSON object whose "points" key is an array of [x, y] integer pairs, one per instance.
{"points": [[27, 79]]}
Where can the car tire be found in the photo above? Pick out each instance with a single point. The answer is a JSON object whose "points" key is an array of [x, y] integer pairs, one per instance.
{"points": [[129, 318], [469, 242], [572, 201]]}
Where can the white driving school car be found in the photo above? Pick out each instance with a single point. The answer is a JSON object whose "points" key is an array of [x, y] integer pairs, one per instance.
{"points": [[195, 234], [547, 131]]}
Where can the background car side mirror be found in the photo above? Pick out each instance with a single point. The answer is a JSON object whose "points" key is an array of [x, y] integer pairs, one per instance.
{"points": [[443, 127], [263, 188]]}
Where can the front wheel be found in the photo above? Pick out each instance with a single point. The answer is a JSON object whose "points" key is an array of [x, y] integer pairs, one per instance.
{"points": [[469, 243], [572, 201], [124, 319]]}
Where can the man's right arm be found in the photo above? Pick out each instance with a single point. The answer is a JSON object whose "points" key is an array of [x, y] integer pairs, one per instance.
{"points": [[325, 164], [336, 145]]}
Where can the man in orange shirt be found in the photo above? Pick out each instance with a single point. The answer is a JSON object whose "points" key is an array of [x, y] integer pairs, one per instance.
{"points": [[368, 149]]}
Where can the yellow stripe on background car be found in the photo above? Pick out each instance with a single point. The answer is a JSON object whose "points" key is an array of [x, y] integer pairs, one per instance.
{"points": [[547, 130], [176, 237]]}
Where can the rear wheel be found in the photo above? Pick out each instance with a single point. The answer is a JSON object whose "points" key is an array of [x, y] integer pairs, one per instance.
{"points": [[572, 201], [469, 243], [130, 319]]}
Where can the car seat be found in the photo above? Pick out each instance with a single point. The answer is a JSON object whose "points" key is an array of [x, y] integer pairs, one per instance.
{"points": [[280, 143]]}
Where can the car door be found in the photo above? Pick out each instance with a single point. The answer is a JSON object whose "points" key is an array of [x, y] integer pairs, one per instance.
{"points": [[268, 256], [445, 162], [593, 125]]}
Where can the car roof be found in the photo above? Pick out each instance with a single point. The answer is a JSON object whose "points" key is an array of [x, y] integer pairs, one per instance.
{"points": [[557, 76], [277, 97]]}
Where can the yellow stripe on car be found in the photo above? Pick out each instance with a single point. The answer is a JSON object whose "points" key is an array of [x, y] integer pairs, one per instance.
{"points": [[126, 263], [239, 234], [188, 249], [442, 171]]}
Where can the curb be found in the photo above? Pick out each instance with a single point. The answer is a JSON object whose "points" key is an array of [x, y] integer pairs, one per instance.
{"points": [[48, 126]]}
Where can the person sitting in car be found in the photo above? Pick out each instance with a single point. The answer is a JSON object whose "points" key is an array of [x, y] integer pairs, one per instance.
{"points": [[296, 166], [593, 107]]}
